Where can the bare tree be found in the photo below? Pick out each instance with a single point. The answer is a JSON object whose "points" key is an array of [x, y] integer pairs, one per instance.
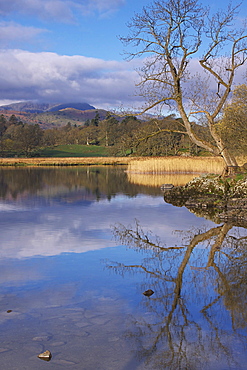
{"points": [[177, 38]]}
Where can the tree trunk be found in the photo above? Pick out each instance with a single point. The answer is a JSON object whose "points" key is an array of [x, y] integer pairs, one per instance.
{"points": [[231, 165]]}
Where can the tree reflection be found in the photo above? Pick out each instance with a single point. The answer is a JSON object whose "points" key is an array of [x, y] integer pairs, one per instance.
{"points": [[94, 182], [198, 312]]}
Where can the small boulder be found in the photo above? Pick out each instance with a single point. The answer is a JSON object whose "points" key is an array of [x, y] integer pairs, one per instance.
{"points": [[46, 356], [166, 187]]}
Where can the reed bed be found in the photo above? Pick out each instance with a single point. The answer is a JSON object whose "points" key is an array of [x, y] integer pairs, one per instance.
{"points": [[184, 165], [157, 165], [157, 180], [70, 161]]}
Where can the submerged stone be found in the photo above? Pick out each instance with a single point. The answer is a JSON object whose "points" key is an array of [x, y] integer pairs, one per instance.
{"points": [[166, 187], [148, 292], [44, 337]]}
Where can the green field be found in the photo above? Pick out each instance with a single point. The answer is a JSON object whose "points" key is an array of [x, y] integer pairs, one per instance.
{"points": [[74, 150]]}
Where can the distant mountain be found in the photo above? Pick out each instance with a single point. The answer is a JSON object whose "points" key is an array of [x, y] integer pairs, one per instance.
{"points": [[63, 116], [48, 115], [78, 106], [27, 107], [32, 107], [57, 118]]}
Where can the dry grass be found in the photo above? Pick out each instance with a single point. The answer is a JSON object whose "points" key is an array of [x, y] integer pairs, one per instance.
{"points": [[180, 165], [64, 161], [157, 165]]}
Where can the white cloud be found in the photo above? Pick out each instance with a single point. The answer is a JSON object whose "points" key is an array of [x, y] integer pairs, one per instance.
{"points": [[103, 7], [52, 231], [49, 76], [13, 32], [79, 236], [60, 10], [49, 9]]}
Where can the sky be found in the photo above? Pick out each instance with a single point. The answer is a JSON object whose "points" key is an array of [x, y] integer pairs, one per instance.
{"points": [[69, 51]]}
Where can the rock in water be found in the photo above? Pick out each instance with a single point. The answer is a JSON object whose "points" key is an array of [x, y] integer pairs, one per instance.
{"points": [[46, 356], [148, 292], [166, 187]]}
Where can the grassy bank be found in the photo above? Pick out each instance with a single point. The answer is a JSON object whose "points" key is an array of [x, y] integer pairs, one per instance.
{"points": [[73, 150]]}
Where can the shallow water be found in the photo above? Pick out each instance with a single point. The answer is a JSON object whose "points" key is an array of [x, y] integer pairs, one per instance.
{"points": [[79, 246]]}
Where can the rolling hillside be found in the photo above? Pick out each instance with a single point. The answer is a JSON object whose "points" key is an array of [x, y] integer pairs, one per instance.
{"points": [[48, 115], [33, 107]]}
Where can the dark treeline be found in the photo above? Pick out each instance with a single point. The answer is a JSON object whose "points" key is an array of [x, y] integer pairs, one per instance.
{"points": [[122, 137]]}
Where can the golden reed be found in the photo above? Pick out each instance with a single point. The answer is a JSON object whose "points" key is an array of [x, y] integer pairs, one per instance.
{"points": [[157, 180], [69, 161], [157, 165], [185, 165]]}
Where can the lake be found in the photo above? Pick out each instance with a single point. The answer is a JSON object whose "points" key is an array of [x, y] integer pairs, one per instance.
{"points": [[79, 247]]}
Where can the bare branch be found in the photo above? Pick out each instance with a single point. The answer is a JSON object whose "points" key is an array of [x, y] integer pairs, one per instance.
{"points": [[169, 33]]}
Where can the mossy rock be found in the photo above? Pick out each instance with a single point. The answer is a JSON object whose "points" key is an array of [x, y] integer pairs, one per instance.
{"points": [[239, 189], [212, 195], [209, 184]]}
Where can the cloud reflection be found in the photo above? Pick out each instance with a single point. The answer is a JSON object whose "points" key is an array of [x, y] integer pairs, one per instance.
{"points": [[63, 228]]}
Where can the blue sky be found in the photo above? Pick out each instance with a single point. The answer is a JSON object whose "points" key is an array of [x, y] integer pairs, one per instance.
{"points": [[68, 50]]}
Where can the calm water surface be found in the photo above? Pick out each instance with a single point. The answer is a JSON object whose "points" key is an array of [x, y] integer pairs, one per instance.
{"points": [[78, 248]]}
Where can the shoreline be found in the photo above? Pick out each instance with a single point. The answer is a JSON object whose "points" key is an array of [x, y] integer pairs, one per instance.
{"points": [[67, 161], [221, 200]]}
